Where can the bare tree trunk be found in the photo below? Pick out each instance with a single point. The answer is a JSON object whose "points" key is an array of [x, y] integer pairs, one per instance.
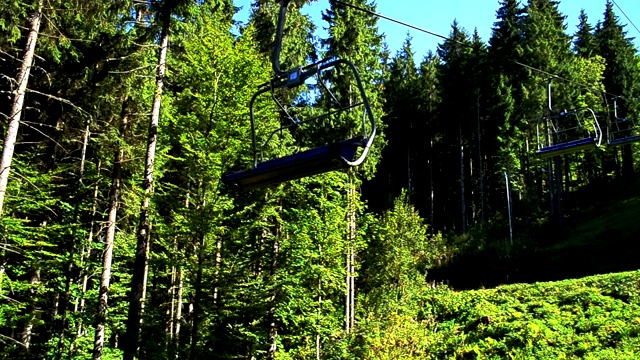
{"points": [[558, 174], [480, 163], [319, 314], [196, 301], [79, 308], [178, 316], [463, 204], [172, 305], [216, 289], [432, 202], [18, 102], [347, 305], [72, 246], [351, 237], [352, 287], [28, 329], [138, 281], [107, 257], [273, 324]]}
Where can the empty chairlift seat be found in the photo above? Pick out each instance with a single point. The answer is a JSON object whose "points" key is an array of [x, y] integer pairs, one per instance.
{"points": [[567, 132], [315, 161], [331, 109], [621, 130], [320, 159]]}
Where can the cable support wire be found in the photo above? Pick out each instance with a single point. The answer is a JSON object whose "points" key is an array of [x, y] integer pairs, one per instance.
{"points": [[625, 15], [471, 46]]}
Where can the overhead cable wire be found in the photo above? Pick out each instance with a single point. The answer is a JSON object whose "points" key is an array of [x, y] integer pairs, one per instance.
{"points": [[625, 15], [468, 45], [397, 21]]}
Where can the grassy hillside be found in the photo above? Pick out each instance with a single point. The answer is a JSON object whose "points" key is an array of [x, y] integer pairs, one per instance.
{"points": [[569, 291], [596, 317]]}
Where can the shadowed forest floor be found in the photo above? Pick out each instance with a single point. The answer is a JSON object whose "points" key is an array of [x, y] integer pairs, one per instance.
{"points": [[600, 234]]}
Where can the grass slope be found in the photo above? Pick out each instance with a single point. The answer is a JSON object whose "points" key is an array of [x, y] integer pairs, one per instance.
{"points": [[596, 317]]}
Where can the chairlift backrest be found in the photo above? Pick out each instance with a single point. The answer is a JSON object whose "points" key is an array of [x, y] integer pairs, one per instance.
{"points": [[564, 132], [621, 130]]}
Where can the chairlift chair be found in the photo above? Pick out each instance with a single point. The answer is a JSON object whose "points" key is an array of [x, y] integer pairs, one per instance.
{"points": [[566, 132], [621, 131], [328, 157]]}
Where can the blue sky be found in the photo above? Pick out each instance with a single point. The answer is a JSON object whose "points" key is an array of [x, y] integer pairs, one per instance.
{"points": [[437, 16]]}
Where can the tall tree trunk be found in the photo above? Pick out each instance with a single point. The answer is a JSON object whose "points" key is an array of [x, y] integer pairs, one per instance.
{"points": [[627, 164], [319, 314], [271, 315], [567, 178], [195, 335], [480, 162], [79, 308], [558, 174], [107, 257], [144, 228], [28, 328], [172, 305], [552, 193], [432, 202], [72, 246], [216, 289], [350, 257], [463, 204], [18, 102], [178, 313], [196, 302]]}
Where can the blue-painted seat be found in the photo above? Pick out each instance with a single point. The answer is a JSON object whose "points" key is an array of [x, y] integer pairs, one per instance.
{"points": [[315, 161], [567, 147], [620, 132]]}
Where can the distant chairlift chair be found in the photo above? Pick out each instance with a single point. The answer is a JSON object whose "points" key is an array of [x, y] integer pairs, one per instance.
{"points": [[621, 131], [565, 132], [328, 157]]}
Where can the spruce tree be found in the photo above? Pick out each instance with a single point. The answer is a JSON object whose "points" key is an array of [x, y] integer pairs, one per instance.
{"points": [[620, 76], [584, 41], [398, 164], [455, 124]]}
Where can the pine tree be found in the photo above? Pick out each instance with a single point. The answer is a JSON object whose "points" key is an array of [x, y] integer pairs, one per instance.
{"points": [[398, 165], [584, 41], [547, 48], [507, 77], [454, 125], [429, 99], [620, 76], [353, 36]]}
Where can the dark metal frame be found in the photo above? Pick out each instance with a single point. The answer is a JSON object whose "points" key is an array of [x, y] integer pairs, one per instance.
{"points": [[622, 126], [553, 129], [305, 73]]}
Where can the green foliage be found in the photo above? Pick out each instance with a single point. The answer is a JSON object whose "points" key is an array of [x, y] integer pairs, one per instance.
{"points": [[595, 317], [261, 274]]}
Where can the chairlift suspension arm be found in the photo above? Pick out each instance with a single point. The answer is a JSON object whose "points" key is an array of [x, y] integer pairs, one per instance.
{"points": [[277, 48]]}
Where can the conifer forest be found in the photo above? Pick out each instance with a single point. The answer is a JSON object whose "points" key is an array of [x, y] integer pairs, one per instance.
{"points": [[481, 202]]}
